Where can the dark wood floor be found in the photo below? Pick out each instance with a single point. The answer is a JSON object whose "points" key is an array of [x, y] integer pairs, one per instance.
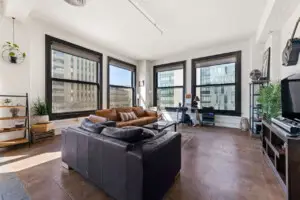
{"points": [[217, 164]]}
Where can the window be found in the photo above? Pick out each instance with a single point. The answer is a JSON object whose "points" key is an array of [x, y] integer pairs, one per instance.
{"points": [[216, 80], [121, 87], [169, 85], [73, 79]]}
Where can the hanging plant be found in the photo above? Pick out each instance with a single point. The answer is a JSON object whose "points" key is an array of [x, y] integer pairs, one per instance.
{"points": [[11, 51]]}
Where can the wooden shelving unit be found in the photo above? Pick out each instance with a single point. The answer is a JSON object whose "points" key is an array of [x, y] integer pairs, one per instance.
{"points": [[12, 130], [282, 152], [26, 138], [12, 118], [12, 106]]}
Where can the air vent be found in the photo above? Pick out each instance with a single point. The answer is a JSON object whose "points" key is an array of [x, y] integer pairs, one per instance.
{"points": [[76, 2]]}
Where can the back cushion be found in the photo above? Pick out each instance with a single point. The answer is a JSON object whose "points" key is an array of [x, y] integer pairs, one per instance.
{"points": [[128, 135], [139, 111], [123, 110], [110, 114], [127, 116]]}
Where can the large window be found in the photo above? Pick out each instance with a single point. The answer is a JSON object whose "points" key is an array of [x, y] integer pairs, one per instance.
{"points": [[121, 87], [169, 85], [216, 80], [73, 79]]}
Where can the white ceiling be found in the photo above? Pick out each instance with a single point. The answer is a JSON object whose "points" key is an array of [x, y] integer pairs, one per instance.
{"points": [[187, 24]]}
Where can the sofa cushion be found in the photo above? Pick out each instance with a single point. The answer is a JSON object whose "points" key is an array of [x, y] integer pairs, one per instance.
{"points": [[150, 119], [127, 116], [139, 111], [92, 127], [133, 134], [97, 119], [139, 122], [110, 114], [146, 132]]}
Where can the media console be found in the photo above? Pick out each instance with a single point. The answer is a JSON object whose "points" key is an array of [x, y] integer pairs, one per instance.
{"points": [[282, 153]]}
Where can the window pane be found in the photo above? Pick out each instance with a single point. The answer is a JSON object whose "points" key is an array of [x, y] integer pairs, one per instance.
{"points": [[217, 74], [170, 78], [120, 97], [120, 76], [169, 97], [72, 97], [219, 97], [67, 66]]}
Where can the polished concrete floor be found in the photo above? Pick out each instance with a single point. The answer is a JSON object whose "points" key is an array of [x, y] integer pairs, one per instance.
{"points": [[217, 164]]}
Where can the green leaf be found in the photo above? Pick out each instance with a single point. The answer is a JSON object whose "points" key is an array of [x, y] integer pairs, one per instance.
{"points": [[39, 108], [24, 55], [12, 54], [16, 46]]}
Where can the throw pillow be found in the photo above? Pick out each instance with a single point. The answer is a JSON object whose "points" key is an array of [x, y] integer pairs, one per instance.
{"points": [[95, 118], [127, 116], [128, 135], [92, 127]]}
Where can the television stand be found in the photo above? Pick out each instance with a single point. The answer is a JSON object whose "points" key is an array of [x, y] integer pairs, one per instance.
{"points": [[282, 152]]}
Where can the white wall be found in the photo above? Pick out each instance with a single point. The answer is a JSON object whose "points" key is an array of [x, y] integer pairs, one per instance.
{"points": [[30, 76], [248, 58]]}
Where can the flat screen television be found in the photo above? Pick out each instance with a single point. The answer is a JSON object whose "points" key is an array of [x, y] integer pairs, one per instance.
{"points": [[290, 97]]}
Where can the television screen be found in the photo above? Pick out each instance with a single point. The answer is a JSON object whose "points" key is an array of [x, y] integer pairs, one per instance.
{"points": [[290, 97]]}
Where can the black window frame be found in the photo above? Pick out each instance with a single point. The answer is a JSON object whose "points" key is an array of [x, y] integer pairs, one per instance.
{"points": [[155, 83], [133, 80], [49, 40], [238, 70]]}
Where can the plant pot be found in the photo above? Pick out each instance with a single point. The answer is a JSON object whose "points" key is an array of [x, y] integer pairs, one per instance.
{"points": [[42, 119], [13, 59]]}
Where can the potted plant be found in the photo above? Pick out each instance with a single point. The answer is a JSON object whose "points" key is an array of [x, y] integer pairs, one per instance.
{"points": [[7, 102], [40, 112], [270, 100], [14, 53]]}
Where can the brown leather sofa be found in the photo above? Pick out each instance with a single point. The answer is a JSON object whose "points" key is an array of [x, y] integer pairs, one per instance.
{"points": [[144, 116]]}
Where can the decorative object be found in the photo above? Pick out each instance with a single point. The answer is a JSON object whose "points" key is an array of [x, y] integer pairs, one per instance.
{"points": [[14, 112], [11, 51], [290, 54], [149, 18], [255, 75], [7, 102], [40, 112], [244, 124], [78, 3], [270, 100], [141, 83], [266, 65]]}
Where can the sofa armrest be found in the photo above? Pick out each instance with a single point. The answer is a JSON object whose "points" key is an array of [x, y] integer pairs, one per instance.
{"points": [[151, 113], [161, 156]]}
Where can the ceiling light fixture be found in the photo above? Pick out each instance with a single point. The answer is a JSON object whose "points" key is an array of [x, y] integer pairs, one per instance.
{"points": [[148, 17], [79, 3]]}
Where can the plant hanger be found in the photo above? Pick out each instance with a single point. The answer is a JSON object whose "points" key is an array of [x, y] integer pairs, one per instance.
{"points": [[11, 51]]}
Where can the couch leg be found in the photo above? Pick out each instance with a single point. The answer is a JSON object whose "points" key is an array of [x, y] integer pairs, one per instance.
{"points": [[66, 166], [177, 176]]}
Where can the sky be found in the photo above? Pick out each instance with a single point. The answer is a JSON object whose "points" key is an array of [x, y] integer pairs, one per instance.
{"points": [[119, 76]]}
